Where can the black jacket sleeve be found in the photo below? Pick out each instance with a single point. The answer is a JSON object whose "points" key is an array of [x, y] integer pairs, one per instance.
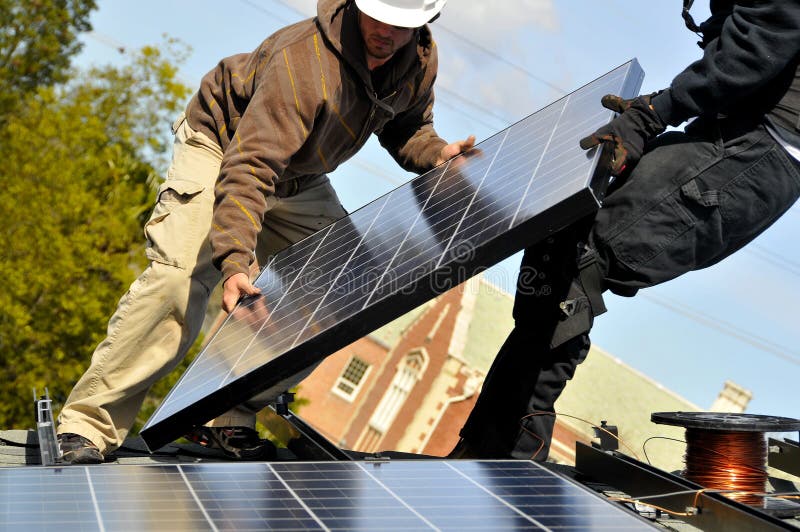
{"points": [[757, 42]]}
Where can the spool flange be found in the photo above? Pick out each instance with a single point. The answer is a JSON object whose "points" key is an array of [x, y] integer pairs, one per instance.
{"points": [[726, 421]]}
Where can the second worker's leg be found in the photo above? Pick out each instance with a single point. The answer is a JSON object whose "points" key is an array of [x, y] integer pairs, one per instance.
{"points": [[552, 314], [159, 317]]}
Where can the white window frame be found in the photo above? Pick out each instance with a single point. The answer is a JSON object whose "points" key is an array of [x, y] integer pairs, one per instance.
{"points": [[350, 397], [408, 372]]}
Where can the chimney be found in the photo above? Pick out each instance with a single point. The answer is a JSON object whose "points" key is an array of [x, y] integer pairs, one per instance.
{"points": [[733, 398]]}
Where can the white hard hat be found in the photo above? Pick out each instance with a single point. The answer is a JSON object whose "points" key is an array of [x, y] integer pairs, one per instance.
{"points": [[403, 13]]}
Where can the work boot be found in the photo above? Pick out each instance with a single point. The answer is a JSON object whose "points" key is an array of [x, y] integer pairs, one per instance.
{"points": [[240, 443], [75, 449]]}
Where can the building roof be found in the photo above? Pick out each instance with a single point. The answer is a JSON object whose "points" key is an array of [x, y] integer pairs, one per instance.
{"points": [[390, 334], [605, 388], [490, 324], [21, 448]]}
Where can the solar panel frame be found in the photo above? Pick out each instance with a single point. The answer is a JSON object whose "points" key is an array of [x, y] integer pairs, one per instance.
{"points": [[396, 495], [413, 274]]}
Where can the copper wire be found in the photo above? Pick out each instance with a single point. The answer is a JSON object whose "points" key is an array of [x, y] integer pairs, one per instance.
{"points": [[536, 413], [730, 461]]}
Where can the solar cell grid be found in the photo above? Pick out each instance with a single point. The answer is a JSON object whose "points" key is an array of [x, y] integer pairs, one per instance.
{"points": [[414, 495], [403, 495], [407, 246]]}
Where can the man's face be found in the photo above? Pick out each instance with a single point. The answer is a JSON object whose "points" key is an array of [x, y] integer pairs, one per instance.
{"points": [[382, 40]]}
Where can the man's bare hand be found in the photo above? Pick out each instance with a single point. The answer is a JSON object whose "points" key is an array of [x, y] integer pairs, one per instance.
{"points": [[451, 150], [254, 313], [234, 287]]}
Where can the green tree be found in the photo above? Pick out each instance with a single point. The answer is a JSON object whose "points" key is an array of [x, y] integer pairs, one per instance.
{"points": [[80, 161], [37, 41]]}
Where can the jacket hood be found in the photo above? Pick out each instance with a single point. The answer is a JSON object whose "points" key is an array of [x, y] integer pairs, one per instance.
{"points": [[338, 22], [329, 18]]}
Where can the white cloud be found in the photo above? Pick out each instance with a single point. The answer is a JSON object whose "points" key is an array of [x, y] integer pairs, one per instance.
{"points": [[307, 7], [502, 28], [491, 23], [474, 64]]}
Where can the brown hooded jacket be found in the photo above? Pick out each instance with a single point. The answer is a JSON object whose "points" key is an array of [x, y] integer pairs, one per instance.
{"points": [[301, 104]]}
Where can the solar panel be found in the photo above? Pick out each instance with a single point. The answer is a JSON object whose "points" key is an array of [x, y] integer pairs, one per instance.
{"points": [[403, 495], [402, 249]]}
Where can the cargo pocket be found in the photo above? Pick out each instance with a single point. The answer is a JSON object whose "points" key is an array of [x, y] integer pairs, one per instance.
{"points": [[709, 243], [655, 231], [755, 198], [174, 226], [703, 198]]}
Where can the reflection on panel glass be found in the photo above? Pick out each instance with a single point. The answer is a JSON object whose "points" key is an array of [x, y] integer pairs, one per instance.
{"points": [[403, 495], [411, 244]]}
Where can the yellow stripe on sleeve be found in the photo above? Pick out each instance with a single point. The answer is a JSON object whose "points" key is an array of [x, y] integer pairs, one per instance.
{"points": [[294, 90], [321, 70], [229, 261], [245, 211], [344, 124], [325, 92], [324, 161], [221, 230]]}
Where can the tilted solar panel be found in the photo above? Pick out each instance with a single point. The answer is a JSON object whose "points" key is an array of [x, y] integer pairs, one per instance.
{"points": [[402, 249], [401, 495]]}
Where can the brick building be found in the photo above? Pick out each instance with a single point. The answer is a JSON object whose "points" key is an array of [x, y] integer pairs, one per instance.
{"points": [[414, 379], [410, 385]]}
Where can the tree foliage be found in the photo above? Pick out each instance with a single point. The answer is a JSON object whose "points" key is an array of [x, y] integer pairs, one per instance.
{"points": [[37, 41], [80, 161]]}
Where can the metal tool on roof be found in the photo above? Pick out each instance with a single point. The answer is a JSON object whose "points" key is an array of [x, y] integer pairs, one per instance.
{"points": [[46, 429]]}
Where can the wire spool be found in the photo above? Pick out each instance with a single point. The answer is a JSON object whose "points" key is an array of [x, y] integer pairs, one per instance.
{"points": [[727, 452]]}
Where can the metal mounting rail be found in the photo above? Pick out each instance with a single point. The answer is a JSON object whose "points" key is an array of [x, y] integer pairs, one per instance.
{"points": [[637, 479], [784, 455]]}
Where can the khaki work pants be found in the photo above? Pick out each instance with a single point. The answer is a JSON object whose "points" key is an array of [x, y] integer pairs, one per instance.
{"points": [[160, 316]]}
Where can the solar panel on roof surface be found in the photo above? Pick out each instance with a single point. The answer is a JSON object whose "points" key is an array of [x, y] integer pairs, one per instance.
{"points": [[400, 250], [410, 495]]}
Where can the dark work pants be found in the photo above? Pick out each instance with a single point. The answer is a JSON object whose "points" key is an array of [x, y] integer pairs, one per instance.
{"points": [[693, 199]]}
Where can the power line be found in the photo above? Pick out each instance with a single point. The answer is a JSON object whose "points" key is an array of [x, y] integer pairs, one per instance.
{"points": [[439, 86], [456, 96], [439, 26], [777, 260], [500, 58], [108, 41], [766, 255], [285, 4], [726, 328], [383, 174], [380, 172], [457, 109], [721, 326], [261, 8]]}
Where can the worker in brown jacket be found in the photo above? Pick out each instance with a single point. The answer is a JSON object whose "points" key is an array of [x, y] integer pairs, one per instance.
{"points": [[248, 177]]}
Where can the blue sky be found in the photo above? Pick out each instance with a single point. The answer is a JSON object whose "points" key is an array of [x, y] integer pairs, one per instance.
{"points": [[499, 62]]}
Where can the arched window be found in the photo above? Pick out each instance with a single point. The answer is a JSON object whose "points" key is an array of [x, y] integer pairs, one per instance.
{"points": [[409, 371]]}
